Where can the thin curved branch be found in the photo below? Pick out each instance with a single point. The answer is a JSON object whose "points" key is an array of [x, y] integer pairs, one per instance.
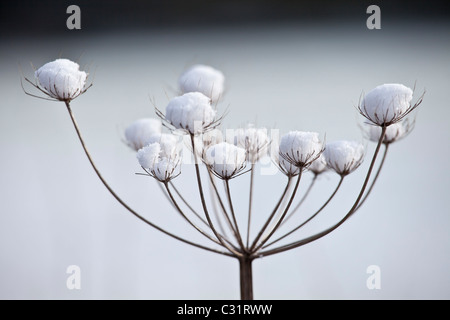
{"points": [[205, 208], [374, 178], [123, 203], [186, 203], [274, 211], [250, 201], [313, 181], [294, 192], [334, 227], [186, 218], [227, 187], [310, 218], [222, 205]]}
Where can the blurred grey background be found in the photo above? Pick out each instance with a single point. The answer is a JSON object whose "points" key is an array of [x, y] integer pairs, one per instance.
{"points": [[289, 65]]}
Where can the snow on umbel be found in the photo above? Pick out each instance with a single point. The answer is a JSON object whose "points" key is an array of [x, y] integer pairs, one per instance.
{"points": [[154, 162], [148, 155], [225, 160], [387, 104], [255, 141], [286, 167], [204, 79], [168, 143], [319, 165], [191, 112], [393, 133], [300, 148], [344, 156], [61, 80], [139, 132]]}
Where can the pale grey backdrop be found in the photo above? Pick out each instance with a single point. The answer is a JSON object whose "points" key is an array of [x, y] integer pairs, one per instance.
{"points": [[54, 212]]}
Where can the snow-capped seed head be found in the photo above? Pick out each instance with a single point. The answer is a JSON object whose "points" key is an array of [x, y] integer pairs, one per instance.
{"points": [[168, 143], [319, 165], [191, 112], [394, 132], [149, 155], [206, 139], [287, 168], [165, 169], [138, 133], [225, 159], [344, 157], [62, 79], [254, 140], [204, 79], [300, 148], [387, 104]]}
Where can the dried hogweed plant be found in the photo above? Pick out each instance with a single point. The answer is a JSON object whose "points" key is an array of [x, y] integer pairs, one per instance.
{"points": [[191, 115]]}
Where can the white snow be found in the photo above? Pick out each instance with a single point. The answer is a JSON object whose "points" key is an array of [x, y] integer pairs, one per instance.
{"points": [[62, 79], [254, 140], [344, 156], [149, 155], [386, 103], [319, 165], [138, 133], [204, 79], [164, 169], [394, 132], [225, 159], [192, 112], [300, 148], [168, 143]]}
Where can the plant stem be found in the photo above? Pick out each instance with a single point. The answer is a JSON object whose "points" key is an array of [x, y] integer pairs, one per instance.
{"points": [[255, 241], [77, 129], [246, 277], [203, 201], [250, 200], [348, 215], [233, 215]]}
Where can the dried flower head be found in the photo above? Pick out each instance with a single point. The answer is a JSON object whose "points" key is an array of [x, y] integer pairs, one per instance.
{"points": [[148, 155], [168, 143], [191, 112], [394, 132], [300, 148], [387, 104], [156, 164], [225, 160], [344, 157], [204, 79], [61, 80], [138, 133], [319, 165], [255, 141], [286, 167]]}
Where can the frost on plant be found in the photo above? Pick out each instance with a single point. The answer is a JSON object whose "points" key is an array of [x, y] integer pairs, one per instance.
{"points": [[204, 79], [217, 160]]}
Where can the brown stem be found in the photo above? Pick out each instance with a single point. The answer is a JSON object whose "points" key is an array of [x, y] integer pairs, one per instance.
{"points": [[386, 147], [266, 238], [233, 215], [314, 179], [250, 201], [310, 218], [348, 215], [203, 201], [121, 201], [246, 277], [255, 241]]}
